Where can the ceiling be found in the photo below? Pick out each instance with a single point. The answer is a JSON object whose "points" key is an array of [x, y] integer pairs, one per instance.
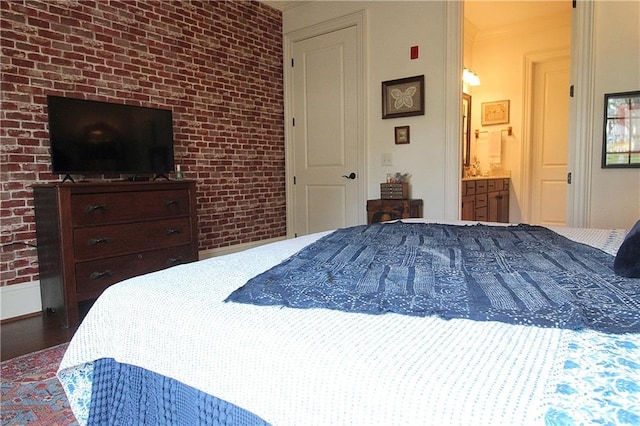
{"points": [[493, 14], [484, 14]]}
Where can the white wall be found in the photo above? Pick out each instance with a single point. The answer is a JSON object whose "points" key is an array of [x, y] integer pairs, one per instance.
{"points": [[615, 194], [392, 28]]}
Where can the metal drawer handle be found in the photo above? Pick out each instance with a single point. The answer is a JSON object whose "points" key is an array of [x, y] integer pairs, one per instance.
{"points": [[102, 240], [170, 203], [170, 231], [174, 260], [92, 208], [96, 275]]}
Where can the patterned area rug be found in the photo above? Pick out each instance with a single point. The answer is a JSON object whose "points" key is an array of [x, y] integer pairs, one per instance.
{"points": [[31, 393]]}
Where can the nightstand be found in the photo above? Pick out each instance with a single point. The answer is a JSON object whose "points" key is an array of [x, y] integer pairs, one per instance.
{"points": [[382, 210]]}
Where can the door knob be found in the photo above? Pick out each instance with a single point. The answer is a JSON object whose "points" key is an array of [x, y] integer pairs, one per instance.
{"points": [[351, 176]]}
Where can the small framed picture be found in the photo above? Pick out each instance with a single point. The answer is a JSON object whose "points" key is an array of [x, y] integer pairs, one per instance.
{"points": [[402, 135], [403, 97], [496, 112]]}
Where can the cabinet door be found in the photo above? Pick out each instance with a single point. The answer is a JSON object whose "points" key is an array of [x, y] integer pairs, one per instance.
{"points": [[468, 207], [498, 206], [494, 206], [503, 215]]}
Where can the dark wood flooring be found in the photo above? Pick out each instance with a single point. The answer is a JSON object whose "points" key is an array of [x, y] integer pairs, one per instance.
{"points": [[33, 333]]}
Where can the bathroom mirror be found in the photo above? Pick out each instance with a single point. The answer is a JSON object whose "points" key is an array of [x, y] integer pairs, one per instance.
{"points": [[466, 130]]}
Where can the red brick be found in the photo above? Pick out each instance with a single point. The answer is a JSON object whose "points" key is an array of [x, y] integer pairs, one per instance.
{"points": [[216, 64]]}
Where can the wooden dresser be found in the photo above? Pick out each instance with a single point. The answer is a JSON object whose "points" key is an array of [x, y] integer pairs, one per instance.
{"points": [[92, 235], [485, 200]]}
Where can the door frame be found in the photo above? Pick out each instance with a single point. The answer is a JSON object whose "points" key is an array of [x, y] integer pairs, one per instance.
{"points": [[357, 20], [581, 108], [454, 45], [526, 155], [581, 114]]}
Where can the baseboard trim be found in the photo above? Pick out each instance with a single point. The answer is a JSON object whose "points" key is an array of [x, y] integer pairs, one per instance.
{"points": [[20, 317], [20, 300]]}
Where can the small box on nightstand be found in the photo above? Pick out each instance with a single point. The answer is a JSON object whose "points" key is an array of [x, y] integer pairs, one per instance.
{"points": [[394, 191]]}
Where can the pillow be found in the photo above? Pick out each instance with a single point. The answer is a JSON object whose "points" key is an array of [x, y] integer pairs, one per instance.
{"points": [[627, 261]]}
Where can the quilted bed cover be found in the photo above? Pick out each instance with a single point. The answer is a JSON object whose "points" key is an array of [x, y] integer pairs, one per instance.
{"points": [[319, 366]]}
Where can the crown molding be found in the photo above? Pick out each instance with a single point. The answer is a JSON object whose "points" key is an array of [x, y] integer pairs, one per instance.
{"points": [[283, 5]]}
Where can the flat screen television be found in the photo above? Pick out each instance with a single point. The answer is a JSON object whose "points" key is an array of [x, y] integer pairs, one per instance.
{"points": [[92, 137]]}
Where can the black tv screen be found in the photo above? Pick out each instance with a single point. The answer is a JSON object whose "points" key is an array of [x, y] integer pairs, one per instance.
{"points": [[88, 137]]}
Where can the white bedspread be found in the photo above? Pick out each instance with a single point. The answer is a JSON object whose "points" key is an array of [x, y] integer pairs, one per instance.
{"points": [[315, 366]]}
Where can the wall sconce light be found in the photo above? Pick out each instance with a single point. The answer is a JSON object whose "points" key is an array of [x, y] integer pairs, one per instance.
{"points": [[470, 78]]}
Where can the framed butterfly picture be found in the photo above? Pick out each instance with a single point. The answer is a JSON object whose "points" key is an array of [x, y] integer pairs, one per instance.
{"points": [[403, 97]]}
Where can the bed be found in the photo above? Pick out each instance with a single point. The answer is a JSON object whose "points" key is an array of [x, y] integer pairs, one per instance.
{"points": [[179, 346]]}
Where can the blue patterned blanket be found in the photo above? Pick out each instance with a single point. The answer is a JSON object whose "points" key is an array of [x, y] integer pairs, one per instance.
{"points": [[522, 274], [123, 394]]}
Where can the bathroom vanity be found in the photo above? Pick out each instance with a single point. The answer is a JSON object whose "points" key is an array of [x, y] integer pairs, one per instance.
{"points": [[485, 199]]}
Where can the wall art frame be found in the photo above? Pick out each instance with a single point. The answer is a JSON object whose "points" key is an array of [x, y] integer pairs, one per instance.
{"points": [[402, 134], [496, 112], [403, 97], [621, 130]]}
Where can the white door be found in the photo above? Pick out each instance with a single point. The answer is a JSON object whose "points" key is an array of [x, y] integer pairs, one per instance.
{"points": [[549, 142], [325, 132]]}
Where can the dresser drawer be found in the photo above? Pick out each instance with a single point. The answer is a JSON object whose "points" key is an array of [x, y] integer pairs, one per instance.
{"points": [[103, 208], [110, 240], [94, 277]]}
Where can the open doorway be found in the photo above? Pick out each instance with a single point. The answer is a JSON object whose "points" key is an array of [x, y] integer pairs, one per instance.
{"points": [[505, 44]]}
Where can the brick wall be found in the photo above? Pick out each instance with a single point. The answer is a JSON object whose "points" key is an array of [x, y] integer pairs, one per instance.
{"points": [[216, 64]]}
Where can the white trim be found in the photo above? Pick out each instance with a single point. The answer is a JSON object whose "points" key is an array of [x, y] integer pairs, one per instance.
{"points": [[581, 113], [454, 40], [20, 299], [358, 20], [221, 251], [283, 5]]}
